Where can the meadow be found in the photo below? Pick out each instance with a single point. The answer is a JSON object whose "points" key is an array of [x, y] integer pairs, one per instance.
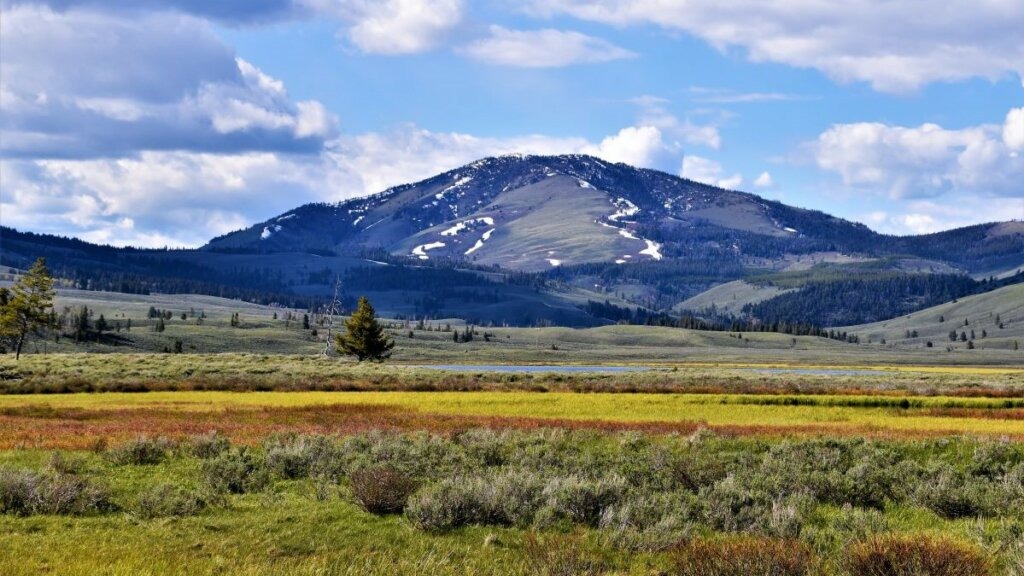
{"points": [[721, 455], [545, 501]]}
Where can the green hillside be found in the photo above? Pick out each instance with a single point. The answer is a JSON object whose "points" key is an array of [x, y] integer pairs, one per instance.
{"points": [[981, 313]]}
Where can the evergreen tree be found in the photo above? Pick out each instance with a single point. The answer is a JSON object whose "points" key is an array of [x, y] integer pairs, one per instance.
{"points": [[28, 308], [365, 338]]}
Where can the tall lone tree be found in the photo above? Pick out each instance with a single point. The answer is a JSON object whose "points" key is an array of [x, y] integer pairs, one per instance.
{"points": [[365, 337], [29, 306]]}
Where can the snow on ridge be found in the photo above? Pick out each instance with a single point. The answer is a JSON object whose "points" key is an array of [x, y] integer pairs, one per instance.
{"points": [[454, 230], [653, 249], [480, 243], [629, 209], [788, 229], [286, 217], [459, 182], [358, 220], [421, 250], [554, 261], [627, 234], [268, 231], [584, 184]]}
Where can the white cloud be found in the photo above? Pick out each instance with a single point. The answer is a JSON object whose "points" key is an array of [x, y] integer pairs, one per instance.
{"points": [[922, 161], [927, 216], [764, 180], [1013, 129], [392, 27], [546, 48], [160, 81], [654, 112], [706, 95], [635, 145], [894, 46], [709, 172], [183, 198]]}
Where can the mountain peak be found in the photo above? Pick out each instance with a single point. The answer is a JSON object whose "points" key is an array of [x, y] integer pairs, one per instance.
{"points": [[535, 213]]}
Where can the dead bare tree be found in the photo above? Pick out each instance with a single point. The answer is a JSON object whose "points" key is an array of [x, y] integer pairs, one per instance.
{"points": [[335, 307]]}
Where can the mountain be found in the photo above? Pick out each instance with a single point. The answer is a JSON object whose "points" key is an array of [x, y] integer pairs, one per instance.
{"points": [[569, 240], [535, 213]]}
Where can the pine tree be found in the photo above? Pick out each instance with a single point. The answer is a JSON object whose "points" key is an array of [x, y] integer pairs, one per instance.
{"points": [[29, 306], [365, 338]]}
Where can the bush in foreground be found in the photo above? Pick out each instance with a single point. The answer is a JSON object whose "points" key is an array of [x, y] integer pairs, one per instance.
{"points": [[236, 471], [742, 556], [916, 556], [141, 451], [23, 493], [381, 489]]}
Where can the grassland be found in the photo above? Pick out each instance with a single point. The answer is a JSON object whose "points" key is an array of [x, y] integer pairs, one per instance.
{"points": [[119, 462], [543, 502], [260, 331]]}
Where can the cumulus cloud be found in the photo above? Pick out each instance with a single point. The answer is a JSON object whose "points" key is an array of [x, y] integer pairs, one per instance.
{"points": [[635, 145], [708, 171], [654, 112], [927, 216], [226, 11], [184, 198], [923, 161], [373, 26], [894, 46], [1013, 129], [176, 87], [546, 48], [764, 180], [392, 27]]}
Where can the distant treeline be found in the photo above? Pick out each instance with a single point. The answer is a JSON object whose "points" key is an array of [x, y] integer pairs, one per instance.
{"points": [[714, 323], [844, 302]]}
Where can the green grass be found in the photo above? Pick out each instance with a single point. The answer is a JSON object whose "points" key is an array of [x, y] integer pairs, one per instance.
{"points": [[261, 333]]}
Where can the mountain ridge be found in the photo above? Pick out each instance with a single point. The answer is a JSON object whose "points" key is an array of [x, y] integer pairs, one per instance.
{"points": [[534, 213]]}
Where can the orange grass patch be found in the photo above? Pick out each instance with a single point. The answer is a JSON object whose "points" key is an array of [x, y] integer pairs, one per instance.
{"points": [[45, 427]]}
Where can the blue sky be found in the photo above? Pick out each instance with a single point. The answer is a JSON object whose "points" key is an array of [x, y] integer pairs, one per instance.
{"points": [[178, 120]]}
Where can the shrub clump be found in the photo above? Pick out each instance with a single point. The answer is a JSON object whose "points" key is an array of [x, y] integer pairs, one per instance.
{"points": [[649, 521], [206, 446], [303, 456], [742, 556], [916, 556], [23, 493], [168, 500], [141, 451], [508, 497], [236, 471], [580, 500], [381, 489]]}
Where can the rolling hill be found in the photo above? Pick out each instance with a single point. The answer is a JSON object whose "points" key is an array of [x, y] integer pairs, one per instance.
{"points": [[534, 240]]}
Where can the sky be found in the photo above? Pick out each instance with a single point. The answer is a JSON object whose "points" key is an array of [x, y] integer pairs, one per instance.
{"points": [[173, 121]]}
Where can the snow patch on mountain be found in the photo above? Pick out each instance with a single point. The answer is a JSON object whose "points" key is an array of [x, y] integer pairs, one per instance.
{"points": [[459, 182], [421, 250], [268, 231], [624, 209], [653, 249], [454, 230], [480, 243]]}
